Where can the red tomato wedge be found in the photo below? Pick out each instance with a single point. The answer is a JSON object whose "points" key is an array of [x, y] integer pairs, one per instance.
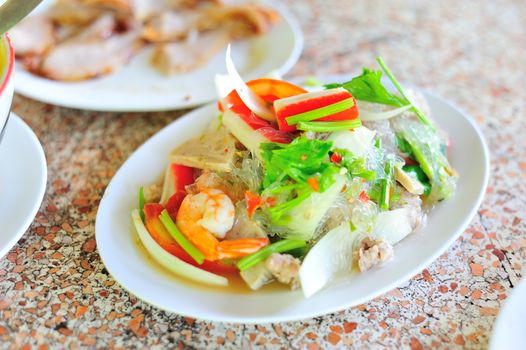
{"points": [[294, 105], [165, 240]]}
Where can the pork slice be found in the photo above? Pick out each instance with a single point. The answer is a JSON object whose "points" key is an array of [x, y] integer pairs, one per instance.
{"points": [[285, 268], [122, 6], [73, 12], [79, 60], [170, 26], [33, 36], [373, 252], [102, 28], [183, 57], [281, 267], [240, 21]]}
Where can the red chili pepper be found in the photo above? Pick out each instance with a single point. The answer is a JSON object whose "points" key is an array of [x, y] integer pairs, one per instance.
{"points": [[363, 197], [253, 202], [336, 158], [271, 201], [314, 184]]}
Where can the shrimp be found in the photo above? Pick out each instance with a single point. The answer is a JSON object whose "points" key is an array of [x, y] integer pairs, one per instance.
{"points": [[205, 218]]}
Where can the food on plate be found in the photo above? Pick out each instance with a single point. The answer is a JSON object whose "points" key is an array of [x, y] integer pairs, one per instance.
{"points": [[76, 40], [297, 187]]}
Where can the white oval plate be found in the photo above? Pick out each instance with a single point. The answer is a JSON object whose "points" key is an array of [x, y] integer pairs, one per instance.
{"points": [[116, 236], [138, 86], [23, 176], [509, 329]]}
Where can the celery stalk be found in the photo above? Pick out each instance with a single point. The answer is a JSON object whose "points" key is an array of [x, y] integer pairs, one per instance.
{"points": [[179, 238], [400, 89], [385, 187], [330, 126], [141, 203], [321, 112], [263, 254]]}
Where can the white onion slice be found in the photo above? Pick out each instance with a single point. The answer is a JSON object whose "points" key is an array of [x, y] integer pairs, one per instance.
{"points": [[223, 85], [255, 103], [223, 88], [370, 116]]}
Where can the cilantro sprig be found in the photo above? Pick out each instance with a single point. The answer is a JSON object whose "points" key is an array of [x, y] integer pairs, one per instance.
{"points": [[368, 87]]}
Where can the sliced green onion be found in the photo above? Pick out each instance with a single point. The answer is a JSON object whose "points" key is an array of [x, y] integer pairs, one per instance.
{"points": [[180, 239], [385, 187], [384, 194], [141, 203], [263, 254], [400, 89], [321, 112], [329, 126]]}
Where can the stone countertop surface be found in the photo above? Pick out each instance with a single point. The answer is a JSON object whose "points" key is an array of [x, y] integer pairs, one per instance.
{"points": [[56, 293]]}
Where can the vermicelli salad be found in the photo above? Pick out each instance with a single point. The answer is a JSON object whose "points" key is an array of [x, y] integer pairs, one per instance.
{"points": [[297, 187]]}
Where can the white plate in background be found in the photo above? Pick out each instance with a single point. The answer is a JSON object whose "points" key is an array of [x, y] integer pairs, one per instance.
{"points": [[116, 238], [138, 86], [23, 176], [509, 329]]}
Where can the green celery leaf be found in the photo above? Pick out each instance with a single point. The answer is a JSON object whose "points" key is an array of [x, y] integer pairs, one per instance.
{"points": [[368, 87]]}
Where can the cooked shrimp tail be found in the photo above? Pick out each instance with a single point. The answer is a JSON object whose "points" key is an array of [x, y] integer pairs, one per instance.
{"points": [[237, 248]]}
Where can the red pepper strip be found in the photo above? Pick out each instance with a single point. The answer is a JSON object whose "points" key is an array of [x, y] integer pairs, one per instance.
{"points": [[253, 202], [312, 103], [336, 158], [183, 176], [314, 184], [164, 239], [363, 197]]}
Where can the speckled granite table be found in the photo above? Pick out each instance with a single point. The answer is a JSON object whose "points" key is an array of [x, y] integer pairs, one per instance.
{"points": [[55, 292]]}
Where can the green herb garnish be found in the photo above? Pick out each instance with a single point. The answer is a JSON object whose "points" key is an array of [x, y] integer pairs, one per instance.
{"points": [[368, 87]]}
